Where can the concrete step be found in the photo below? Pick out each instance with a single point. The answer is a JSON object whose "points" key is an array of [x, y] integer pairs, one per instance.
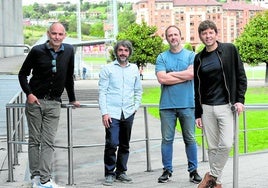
{"points": [[89, 95]]}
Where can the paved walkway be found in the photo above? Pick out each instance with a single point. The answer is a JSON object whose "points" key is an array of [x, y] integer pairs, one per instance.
{"points": [[88, 161]]}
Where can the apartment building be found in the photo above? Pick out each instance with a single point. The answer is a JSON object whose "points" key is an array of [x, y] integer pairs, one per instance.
{"points": [[230, 17], [262, 3]]}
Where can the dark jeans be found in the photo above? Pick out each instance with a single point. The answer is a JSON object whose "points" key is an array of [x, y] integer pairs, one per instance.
{"points": [[118, 135]]}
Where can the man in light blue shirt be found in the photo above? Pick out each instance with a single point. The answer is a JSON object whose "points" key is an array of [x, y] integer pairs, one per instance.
{"points": [[120, 92]]}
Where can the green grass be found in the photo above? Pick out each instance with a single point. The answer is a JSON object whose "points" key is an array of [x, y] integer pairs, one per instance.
{"points": [[256, 74], [250, 71], [257, 140], [32, 34], [95, 60]]}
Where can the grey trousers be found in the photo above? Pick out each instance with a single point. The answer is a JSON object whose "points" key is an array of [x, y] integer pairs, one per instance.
{"points": [[43, 123], [219, 132]]}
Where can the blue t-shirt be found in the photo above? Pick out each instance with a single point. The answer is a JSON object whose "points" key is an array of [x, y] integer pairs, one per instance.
{"points": [[178, 95]]}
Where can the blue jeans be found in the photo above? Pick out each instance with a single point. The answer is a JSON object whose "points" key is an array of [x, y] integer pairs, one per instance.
{"points": [[118, 135], [168, 125]]}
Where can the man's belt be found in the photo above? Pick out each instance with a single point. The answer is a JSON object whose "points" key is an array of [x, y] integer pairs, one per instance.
{"points": [[51, 98]]}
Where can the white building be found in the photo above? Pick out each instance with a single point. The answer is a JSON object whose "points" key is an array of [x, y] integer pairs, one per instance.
{"points": [[262, 3]]}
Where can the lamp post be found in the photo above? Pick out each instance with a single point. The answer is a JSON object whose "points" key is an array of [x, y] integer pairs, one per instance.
{"points": [[115, 20], [78, 57]]}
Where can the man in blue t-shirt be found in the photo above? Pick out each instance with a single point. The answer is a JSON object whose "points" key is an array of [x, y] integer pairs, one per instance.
{"points": [[174, 71]]}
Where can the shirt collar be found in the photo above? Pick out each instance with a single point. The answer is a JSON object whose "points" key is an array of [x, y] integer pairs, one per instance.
{"points": [[117, 63], [50, 48]]}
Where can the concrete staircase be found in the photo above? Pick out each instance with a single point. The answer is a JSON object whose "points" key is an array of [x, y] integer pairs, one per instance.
{"points": [[83, 95]]}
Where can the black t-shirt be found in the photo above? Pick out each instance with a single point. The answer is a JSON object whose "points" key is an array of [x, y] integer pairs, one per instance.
{"points": [[213, 88]]}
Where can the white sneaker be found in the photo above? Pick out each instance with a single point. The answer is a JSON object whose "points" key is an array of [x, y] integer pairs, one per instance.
{"points": [[49, 184], [35, 181]]}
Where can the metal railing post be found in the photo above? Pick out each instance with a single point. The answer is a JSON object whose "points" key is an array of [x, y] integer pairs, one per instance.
{"points": [[236, 147], [20, 128], [245, 132], [204, 153], [70, 145], [13, 142], [15, 137], [9, 147], [147, 140]]}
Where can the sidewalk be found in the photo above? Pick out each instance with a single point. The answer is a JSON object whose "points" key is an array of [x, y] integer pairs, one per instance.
{"points": [[88, 161]]}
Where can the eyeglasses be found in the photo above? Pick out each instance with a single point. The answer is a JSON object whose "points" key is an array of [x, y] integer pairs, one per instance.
{"points": [[54, 68]]}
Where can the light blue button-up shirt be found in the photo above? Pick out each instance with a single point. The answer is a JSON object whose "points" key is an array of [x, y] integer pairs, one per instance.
{"points": [[120, 89]]}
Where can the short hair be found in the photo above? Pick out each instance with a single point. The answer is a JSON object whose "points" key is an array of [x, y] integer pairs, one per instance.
{"points": [[207, 24], [54, 23], [126, 44], [171, 27]]}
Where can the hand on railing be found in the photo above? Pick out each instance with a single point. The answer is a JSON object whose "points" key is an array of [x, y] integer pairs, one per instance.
{"points": [[75, 104], [239, 107]]}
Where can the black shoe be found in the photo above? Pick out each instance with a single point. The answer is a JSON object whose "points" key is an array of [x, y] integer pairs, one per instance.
{"points": [[194, 177], [123, 178], [165, 176], [109, 180]]}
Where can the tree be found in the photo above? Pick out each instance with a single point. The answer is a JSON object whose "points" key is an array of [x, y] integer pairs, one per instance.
{"points": [[125, 17], [188, 46], [253, 44], [85, 29], [147, 45], [199, 48], [85, 6], [96, 30]]}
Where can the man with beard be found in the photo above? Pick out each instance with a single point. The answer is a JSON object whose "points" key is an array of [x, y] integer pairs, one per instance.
{"points": [[120, 93], [174, 71]]}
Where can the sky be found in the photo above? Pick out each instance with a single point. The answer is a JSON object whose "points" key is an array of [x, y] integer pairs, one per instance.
{"points": [[28, 2]]}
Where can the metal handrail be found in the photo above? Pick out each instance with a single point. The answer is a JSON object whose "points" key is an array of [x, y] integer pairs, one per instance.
{"points": [[11, 140], [16, 45]]}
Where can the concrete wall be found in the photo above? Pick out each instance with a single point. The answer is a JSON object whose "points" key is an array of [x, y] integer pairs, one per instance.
{"points": [[11, 27]]}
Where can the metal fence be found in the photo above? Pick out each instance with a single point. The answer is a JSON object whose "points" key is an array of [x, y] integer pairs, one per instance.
{"points": [[16, 137]]}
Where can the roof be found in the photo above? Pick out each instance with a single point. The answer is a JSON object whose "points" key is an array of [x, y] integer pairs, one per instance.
{"points": [[68, 40], [195, 2], [235, 5]]}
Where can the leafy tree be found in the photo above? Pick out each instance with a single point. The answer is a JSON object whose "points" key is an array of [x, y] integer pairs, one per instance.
{"points": [[51, 7], [147, 45], [125, 18], [36, 7], [188, 46], [69, 22], [85, 29], [253, 44], [199, 48], [27, 11], [85, 6], [70, 8], [96, 30]]}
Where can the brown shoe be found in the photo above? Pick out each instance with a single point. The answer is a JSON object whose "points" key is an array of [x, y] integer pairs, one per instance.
{"points": [[207, 182], [218, 186]]}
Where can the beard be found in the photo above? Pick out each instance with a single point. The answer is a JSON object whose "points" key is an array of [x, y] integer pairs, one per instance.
{"points": [[122, 59]]}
